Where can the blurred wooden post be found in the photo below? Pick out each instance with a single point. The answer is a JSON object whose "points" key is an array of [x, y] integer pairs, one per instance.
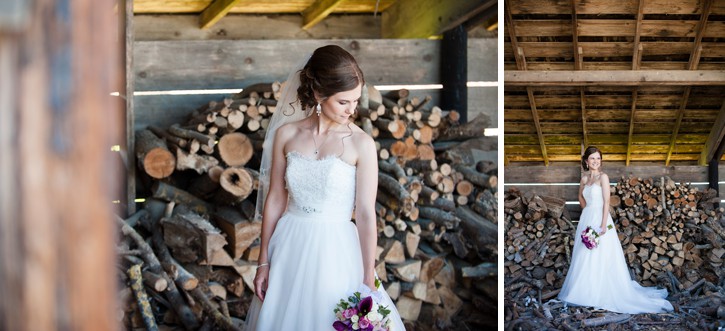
{"points": [[58, 62]]}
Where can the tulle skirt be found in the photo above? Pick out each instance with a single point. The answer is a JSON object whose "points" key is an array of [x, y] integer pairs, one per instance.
{"points": [[314, 262], [600, 278]]}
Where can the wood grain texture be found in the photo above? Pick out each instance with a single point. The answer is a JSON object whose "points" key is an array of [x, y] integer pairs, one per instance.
{"points": [[57, 263]]}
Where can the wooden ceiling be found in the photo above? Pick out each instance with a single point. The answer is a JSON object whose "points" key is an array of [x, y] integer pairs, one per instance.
{"points": [[400, 18], [643, 80]]}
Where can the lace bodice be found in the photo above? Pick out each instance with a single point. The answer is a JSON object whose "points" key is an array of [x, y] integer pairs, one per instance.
{"points": [[324, 187]]}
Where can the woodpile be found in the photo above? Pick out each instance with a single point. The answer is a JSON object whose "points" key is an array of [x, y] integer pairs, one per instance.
{"points": [[672, 237], [196, 240]]}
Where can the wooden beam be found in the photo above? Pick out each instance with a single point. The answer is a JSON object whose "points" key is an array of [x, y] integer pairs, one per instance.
{"points": [[215, 12], [535, 115], [512, 36], [318, 11], [680, 114], [697, 48], [427, 18], [714, 139], [631, 126], [637, 56], [615, 78]]}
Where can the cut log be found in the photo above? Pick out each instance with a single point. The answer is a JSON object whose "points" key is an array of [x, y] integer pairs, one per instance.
{"points": [[408, 271], [153, 156], [235, 149], [193, 239], [237, 184], [408, 308], [167, 192], [240, 231]]}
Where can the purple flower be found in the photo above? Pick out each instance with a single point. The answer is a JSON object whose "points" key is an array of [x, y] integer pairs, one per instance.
{"points": [[349, 312], [365, 305], [364, 323], [340, 326]]}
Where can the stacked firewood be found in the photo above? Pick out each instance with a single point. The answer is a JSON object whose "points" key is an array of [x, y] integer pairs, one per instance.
{"points": [[665, 229], [671, 234], [436, 211]]}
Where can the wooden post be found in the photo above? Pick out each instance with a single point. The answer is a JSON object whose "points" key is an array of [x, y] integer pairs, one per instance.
{"points": [[454, 71], [57, 125], [126, 19], [712, 170]]}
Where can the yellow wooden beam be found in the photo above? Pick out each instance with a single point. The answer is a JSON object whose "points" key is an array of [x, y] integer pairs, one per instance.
{"points": [[680, 114], [318, 11], [215, 12], [429, 18]]}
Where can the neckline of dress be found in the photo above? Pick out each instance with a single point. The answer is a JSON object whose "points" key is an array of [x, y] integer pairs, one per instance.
{"points": [[325, 158]]}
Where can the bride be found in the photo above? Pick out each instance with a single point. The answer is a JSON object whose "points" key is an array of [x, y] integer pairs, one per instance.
{"points": [[599, 277], [317, 166]]}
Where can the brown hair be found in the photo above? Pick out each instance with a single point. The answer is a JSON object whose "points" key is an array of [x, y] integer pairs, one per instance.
{"points": [[589, 151], [330, 70]]}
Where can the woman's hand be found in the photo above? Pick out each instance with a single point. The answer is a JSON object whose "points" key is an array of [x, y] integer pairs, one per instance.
{"points": [[603, 229], [370, 282], [261, 281]]}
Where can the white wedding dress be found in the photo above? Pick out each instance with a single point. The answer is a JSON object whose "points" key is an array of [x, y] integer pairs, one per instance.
{"points": [[314, 252], [599, 277]]}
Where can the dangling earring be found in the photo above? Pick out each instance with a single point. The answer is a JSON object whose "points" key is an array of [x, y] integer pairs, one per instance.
{"points": [[318, 109]]}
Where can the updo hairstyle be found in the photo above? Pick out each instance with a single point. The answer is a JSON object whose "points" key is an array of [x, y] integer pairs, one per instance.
{"points": [[589, 151], [330, 70]]}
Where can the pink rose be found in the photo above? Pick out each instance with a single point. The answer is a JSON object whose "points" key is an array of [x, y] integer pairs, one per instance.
{"points": [[349, 312], [364, 323]]}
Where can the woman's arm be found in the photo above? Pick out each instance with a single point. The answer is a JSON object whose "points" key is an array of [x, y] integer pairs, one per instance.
{"points": [[366, 188], [274, 205], [582, 201], [604, 181]]}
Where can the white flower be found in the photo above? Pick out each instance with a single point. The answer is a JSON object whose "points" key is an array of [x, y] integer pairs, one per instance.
{"points": [[373, 316], [354, 325], [354, 319]]}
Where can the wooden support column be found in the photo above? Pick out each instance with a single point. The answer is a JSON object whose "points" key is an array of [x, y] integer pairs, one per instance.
{"points": [[713, 175], [57, 125], [128, 37], [454, 71]]}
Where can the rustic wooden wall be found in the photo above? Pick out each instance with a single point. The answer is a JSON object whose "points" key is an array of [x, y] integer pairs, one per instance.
{"points": [[57, 66], [562, 181], [223, 64], [171, 52]]}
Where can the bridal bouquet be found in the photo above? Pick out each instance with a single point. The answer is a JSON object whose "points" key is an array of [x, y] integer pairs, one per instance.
{"points": [[362, 312], [590, 238]]}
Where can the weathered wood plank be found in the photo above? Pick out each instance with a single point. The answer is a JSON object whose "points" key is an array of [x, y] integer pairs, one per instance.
{"points": [[254, 27], [629, 78], [256, 7]]}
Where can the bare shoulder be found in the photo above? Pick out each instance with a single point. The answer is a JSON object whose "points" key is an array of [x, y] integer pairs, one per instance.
{"points": [[360, 139], [286, 132], [584, 180], [604, 178]]}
